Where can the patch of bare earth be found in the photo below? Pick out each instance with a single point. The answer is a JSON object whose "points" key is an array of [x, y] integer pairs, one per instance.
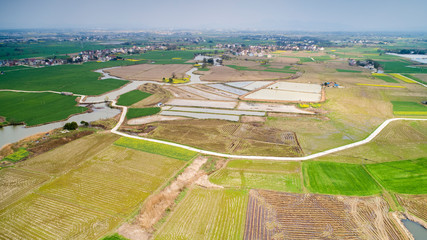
{"points": [[150, 72], [155, 206], [227, 74], [250, 119]]}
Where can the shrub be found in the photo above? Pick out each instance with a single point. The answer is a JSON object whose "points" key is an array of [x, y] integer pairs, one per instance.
{"points": [[71, 126]]}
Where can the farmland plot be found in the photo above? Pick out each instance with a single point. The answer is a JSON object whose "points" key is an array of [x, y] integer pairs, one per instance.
{"points": [[39, 217], [415, 204], [338, 178], [204, 94], [276, 215], [14, 183], [207, 214], [246, 174], [89, 199], [217, 91], [202, 103], [228, 88]]}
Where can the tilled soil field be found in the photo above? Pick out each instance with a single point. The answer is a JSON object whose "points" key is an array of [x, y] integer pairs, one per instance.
{"points": [[276, 215]]}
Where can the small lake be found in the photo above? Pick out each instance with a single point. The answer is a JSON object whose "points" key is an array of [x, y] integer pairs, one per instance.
{"points": [[418, 231], [11, 134]]}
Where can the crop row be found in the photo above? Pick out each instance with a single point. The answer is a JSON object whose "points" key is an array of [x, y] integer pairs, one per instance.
{"points": [[207, 214]]}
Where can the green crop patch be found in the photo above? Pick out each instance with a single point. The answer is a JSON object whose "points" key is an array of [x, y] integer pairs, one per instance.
{"points": [[141, 112], [37, 108], [408, 108], [207, 214], [348, 71], [132, 97], [76, 78], [156, 148], [387, 79], [269, 175], [115, 236], [408, 177], [402, 66], [338, 178], [18, 155]]}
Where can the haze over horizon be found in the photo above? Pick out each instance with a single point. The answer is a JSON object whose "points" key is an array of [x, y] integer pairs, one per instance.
{"points": [[307, 15]]}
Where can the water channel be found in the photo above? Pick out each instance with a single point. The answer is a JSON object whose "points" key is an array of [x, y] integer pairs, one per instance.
{"points": [[418, 231]]}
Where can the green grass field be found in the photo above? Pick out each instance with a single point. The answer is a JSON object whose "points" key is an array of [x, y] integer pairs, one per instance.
{"points": [[247, 174], [207, 214], [156, 148], [408, 108], [141, 112], [408, 177], [132, 97], [338, 178], [70, 78], [348, 71], [37, 108]]}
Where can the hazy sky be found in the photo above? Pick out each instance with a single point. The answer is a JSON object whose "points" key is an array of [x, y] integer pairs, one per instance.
{"points": [[304, 15]]}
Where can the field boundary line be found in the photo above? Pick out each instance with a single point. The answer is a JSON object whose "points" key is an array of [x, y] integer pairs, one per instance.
{"points": [[312, 156]]}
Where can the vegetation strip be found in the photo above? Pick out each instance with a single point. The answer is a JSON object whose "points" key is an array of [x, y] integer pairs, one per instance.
{"points": [[379, 85]]}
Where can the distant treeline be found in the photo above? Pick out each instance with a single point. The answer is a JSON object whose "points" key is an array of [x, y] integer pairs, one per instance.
{"points": [[407, 51]]}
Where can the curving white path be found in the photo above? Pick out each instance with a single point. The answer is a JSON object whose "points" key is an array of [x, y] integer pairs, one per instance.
{"points": [[312, 156]]}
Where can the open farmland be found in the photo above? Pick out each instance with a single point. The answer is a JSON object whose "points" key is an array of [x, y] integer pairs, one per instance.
{"points": [[88, 198], [271, 107], [132, 97], [141, 112], [276, 215], [287, 92], [202, 103], [248, 174], [73, 78], [406, 177], [399, 141], [227, 137], [150, 72], [384, 77], [14, 183], [37, 108], [408, 108], [207, 214], [156, 148], [196, 115], [227, 74], [338, 178], [415, 204]]}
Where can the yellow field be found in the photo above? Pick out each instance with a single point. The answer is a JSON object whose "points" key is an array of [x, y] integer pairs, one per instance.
{"points": [[98, 189], [418, 113], [403, 78], [379, 85], [379, 74]]}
